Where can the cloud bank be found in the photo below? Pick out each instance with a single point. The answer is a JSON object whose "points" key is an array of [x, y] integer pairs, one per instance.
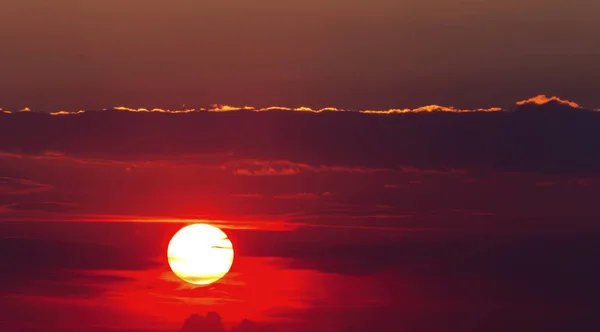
{"points": [[543, 134]]}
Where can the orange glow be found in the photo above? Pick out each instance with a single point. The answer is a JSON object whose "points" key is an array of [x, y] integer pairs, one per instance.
{"points": [[229, 108], [67, 112], [539, 100], [543, 99], [154, 110], [301, 109], [200, 254], [432, 108]]}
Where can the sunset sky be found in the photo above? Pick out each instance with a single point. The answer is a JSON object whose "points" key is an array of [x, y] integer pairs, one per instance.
{"points": [[377, 165], [71, 54]]}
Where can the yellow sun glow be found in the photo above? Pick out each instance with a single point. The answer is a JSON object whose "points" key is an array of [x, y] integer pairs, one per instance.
{"points": [[200, 254]]}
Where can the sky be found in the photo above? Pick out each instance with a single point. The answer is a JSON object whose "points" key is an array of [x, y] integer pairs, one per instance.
{"points": [[430, 219], [72, 55], [381, 165]]}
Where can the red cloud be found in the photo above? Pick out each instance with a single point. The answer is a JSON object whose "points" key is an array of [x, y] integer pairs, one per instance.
{"points": [[37, 207], [248, 195], [303, 195], [248, 167], [13, 186]]}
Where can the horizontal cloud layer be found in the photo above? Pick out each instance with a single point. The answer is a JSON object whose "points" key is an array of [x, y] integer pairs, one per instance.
{"points": [[543, 134]]}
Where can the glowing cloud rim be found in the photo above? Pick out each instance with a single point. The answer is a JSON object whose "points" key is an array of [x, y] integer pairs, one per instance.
{"points": [[536, 100]]}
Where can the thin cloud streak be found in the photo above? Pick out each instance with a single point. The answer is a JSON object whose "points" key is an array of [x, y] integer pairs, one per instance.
{"points": [[37, 216], [265, 223], [304, 195], [16, 186]]}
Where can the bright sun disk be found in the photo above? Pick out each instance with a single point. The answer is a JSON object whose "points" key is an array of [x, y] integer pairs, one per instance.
{"points": [[200, 254]]}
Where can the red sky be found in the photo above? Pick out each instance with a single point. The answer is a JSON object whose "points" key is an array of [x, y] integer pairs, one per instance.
{"points": [[338, 218], [379, 165]]}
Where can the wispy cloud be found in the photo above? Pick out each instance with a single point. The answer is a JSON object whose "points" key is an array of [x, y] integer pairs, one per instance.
{"points": [[248, 195], [16, 186], [304, 195], [44, 207], [254, 167]]}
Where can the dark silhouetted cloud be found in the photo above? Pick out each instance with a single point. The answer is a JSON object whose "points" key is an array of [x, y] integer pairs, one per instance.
{"points": [[543, 134], [212, 323], [64, 269]]}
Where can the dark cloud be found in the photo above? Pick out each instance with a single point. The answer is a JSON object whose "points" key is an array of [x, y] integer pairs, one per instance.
{"points": [[463, 283], [569, 182], [423, 282], [15, 186], [532, 263], [64, 269], [547, 136], [212, 323], [551, 269], [24, 254]]}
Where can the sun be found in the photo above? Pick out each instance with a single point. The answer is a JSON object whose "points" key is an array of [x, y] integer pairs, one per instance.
{"points": [[200, 254]]}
